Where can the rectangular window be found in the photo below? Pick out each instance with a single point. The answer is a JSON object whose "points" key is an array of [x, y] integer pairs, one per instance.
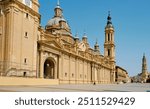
{"points": [[27, 15], [26, 35], [108, 37], [72, 75], [24, 74], [25, 60], [108, 52], [65, 74], [80, 75]]}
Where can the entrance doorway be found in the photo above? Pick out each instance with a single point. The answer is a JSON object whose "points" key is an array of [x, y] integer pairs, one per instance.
{"points": [[49, 69], [148, 80]]}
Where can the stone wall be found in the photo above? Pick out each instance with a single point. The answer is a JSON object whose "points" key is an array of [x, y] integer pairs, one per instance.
{"points": [[9, 81]]}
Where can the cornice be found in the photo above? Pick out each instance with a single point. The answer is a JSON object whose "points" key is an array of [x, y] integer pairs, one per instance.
{"points": [[21, 5]]}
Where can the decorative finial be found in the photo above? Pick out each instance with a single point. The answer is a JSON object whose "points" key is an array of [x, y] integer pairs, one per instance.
{"points": [[144, 55], [96, 46], [109, 22], [96, 41], [58, 3], [108, 13], [109, 17], [84, 34], [76, 35]]}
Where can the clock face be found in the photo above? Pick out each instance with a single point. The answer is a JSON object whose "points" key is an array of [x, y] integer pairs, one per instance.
{"points": [[28, 3]]}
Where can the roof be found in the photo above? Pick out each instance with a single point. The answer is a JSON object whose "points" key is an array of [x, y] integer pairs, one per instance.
{"points": [[121, 68], [55, 21]]}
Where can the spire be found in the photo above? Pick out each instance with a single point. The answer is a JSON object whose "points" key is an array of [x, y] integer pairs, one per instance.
{"points": [[144, 64], [58, 3], [109, 18], [109, 22], [96, 44], [84, 35], [143, 54], [76, 36], [108, 13], [144, 59]]}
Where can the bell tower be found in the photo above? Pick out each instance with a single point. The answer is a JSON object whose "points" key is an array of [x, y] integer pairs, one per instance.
{"points": [[19, 22], [144, 73], [109, 45]]}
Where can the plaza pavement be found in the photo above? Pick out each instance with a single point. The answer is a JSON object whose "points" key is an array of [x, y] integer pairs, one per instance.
{"points": [[135, 87]]}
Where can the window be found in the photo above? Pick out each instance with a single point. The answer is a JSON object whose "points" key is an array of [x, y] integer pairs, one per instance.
{"points": [[27, 15], [108, 52], [65, 74], [80, 75], [24, 74], [108, 37], [25, 60], [72, 75], [26, 34]]}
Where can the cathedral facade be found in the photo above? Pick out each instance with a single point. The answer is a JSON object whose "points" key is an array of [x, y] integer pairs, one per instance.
{"points": [[28, 50]]}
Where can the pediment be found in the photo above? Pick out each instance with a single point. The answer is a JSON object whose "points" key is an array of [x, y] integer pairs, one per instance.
{"points": [[82, 47], [53, 43]]}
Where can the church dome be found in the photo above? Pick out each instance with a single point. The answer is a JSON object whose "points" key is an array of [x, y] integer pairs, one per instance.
{"points": [[56, 22]]}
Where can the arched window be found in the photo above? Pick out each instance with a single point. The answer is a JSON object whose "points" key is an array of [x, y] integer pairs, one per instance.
{"points": [[108, 37], [108, 52]]}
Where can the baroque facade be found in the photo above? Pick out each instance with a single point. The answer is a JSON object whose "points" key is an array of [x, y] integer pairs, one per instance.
{"points": [[28, 50]]}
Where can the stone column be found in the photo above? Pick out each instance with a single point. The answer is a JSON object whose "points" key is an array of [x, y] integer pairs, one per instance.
{"points": [[52, 72], [70, 73], [98, 74], [58, 67], [55, 70], [103, 75], [41, 65], [112, 76], [93, 74]]}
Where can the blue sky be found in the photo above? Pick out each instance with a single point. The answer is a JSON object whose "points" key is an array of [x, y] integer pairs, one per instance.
{"points": [[131, 19]]}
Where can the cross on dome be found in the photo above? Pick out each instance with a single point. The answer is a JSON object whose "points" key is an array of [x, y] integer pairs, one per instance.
{"points": [[58, 3]]}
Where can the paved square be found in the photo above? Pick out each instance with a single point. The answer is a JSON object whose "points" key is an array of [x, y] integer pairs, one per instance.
{"points": [[79, 88]]}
